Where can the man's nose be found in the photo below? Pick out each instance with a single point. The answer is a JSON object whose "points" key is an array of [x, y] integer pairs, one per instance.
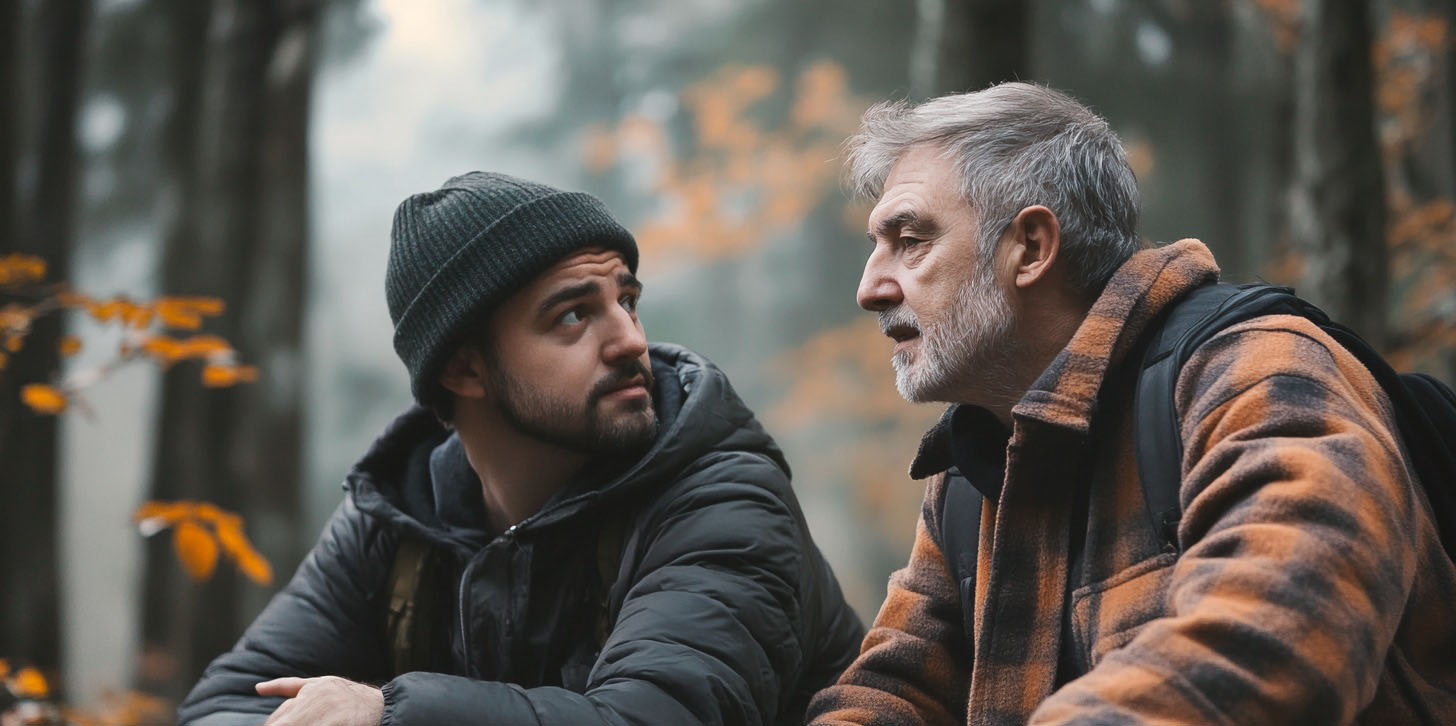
{"points": [[626, 339], [878, 289]]}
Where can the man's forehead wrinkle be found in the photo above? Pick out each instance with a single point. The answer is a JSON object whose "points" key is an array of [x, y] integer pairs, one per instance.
{"points": [[901, 210]]}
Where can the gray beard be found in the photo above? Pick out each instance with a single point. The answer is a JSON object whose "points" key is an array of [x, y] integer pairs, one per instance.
{"points": [[970, 350]]}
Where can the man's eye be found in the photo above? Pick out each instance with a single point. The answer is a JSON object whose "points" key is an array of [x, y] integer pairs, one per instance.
{"points": [[910, 241], [570, 317], [629, 302]]}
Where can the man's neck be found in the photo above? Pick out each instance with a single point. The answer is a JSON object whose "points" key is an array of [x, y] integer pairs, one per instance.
{"points": [[518, 473], [1044, 329]]}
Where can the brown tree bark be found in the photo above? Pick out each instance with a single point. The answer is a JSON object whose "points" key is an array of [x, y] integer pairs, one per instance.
{"points": [[1337, 212], [40, 220], [237, 151]]}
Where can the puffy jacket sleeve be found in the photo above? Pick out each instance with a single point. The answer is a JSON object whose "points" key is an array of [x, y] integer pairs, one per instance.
{"points": [[1299, 534], [310, 628], [705, 634], [909, 670]]}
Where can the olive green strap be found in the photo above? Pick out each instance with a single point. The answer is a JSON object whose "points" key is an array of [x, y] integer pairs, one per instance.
{"points": [[411, 559]]}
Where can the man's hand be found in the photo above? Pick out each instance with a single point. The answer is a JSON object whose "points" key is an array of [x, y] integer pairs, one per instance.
{"points": [[325, 701]]}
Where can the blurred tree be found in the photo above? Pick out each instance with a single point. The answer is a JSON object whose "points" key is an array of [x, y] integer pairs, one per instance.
{"points": [[42, 54], [1414, 113], [236, 153], [966, 45], [1337, 210]]}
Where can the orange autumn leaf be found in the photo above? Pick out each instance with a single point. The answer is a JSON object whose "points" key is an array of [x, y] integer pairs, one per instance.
{"points": [[103, 312], [13, 343], [202, 532], [169, 350], [18, 269], [70, 345], [256, 568], [4, 358], [195, 548], [29, 683], [43, 399], [4, 667], [219, 375], [210, 513], [186, 313], [136, 316], [235, 543], [156, 516]]}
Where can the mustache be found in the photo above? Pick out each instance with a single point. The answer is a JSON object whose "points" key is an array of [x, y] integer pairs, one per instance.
{"points": [[897, 317], [620, 377]]}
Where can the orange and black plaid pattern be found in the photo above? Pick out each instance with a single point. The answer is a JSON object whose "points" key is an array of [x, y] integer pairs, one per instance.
{"points": [[1311, 586]]}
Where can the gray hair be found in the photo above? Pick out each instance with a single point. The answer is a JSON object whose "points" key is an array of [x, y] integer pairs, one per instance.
{"points": [[1016, 145]]}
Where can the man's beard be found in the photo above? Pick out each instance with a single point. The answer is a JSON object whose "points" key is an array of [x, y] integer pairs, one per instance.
{"points": [[969, 349], [555, 420]]}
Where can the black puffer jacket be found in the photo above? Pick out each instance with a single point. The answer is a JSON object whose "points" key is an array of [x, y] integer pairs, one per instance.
{"points": [[723, 610]]}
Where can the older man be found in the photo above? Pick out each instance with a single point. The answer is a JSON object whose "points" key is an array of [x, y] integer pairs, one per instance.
{"points": [[1307, 583]]}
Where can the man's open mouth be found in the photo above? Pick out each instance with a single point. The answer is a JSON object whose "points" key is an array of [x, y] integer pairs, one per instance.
{"points": [[902, 333]]}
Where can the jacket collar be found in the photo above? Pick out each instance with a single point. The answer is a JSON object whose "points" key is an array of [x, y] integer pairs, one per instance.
{"points": [[1065, 394]]}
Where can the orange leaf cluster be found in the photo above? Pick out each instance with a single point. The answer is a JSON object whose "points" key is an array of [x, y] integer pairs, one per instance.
{"points": [[180, 313], [14, 325], [26, 682], [43, 399], [222, 375], [169, 350], [18, 269], [201, 532], [186, 313], [844, 374], [1407, 58], [850, 377], [746, 180]]}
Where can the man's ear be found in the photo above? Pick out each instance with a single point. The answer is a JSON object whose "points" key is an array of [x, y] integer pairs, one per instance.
{"points": [[1038, 237], [464, 373]]}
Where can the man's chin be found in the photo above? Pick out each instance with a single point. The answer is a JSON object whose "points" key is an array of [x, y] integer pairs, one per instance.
{"points": [[629, 432], [917, 387]]}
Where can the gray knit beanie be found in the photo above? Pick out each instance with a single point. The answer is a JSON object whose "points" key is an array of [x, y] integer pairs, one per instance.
{"points": [[457, 252]]}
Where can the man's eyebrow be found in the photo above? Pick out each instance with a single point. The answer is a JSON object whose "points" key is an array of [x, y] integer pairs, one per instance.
{"points": [[902, 220], [627, 279], [570, 292]]}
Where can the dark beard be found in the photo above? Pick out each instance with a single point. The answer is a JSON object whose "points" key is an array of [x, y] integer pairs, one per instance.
{"points": [[556, 422]]}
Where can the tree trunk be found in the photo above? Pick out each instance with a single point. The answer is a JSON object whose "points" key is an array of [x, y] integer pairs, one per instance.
{"points": [[970, 44], [238, 155], [40, 224], [1337, 212]]}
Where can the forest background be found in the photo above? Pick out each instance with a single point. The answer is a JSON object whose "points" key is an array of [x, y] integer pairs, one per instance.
{"points": [[244, 157]]}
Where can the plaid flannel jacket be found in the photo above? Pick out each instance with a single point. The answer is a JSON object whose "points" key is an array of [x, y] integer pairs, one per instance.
{"points": [[1311, 587]]}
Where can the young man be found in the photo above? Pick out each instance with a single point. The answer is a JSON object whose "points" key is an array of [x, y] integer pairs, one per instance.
{"points": [[615, 537], [1307, 584]]}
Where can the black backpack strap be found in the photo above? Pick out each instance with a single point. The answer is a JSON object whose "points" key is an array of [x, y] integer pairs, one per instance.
{"points": [[960, 540], [1201, 314], [412, 623], [1428, 433], [1424, 408]]}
